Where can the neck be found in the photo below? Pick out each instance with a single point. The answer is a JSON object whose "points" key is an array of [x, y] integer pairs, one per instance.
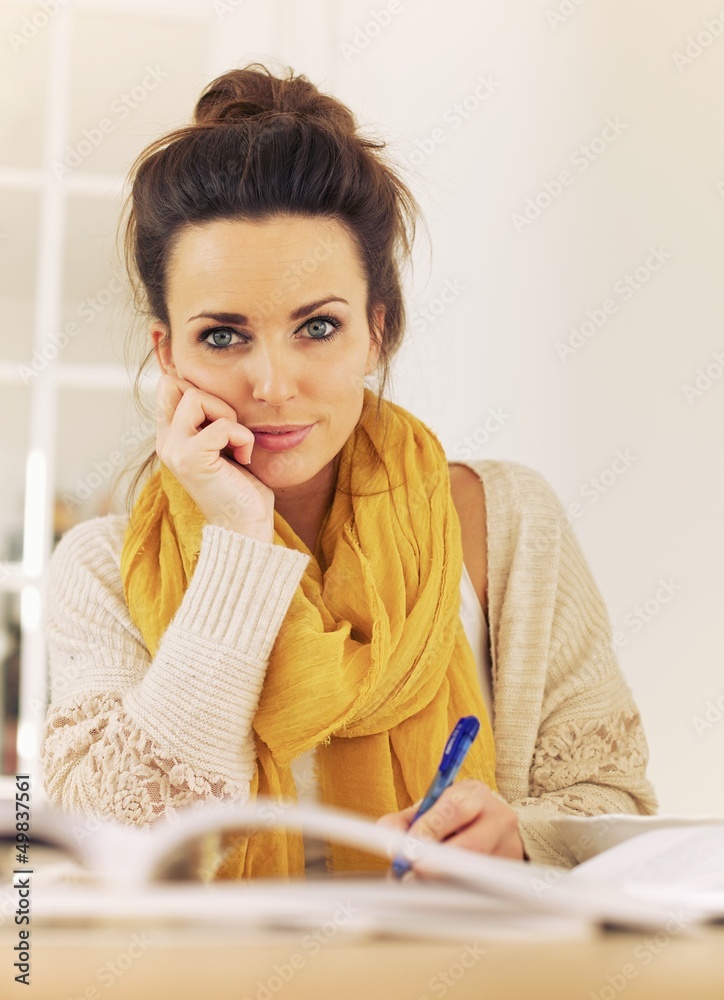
{"points": [[305, 506]]}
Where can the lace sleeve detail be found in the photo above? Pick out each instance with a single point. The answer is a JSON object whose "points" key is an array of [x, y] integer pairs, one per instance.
{"points": [[584, 769], [97, 760], [574, 752]]}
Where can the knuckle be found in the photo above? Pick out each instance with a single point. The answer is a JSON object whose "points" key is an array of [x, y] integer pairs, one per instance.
{"points": [[188, 400], [226, 423], [445, 809], [182, 465], [458, 796], [471, 785]]}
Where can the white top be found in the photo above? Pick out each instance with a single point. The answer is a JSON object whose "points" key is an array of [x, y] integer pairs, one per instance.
{"points": [[476, 629]]}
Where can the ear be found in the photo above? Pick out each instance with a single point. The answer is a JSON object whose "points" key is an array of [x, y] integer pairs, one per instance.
{"points": [[161, 337], [373, 354]]}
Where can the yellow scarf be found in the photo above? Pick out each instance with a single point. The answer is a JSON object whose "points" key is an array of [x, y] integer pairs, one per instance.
{"points": [[371, 664]]}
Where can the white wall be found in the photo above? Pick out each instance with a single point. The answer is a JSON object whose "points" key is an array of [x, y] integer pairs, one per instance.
{"points": [[658, 183], [659, 516]]}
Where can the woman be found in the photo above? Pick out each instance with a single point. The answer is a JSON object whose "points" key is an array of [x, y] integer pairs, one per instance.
{"points": [[305, 577]]}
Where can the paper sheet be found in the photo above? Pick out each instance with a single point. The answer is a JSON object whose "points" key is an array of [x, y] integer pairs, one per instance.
{"points": [[350, 908]]}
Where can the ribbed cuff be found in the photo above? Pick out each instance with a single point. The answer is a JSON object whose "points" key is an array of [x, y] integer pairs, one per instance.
{"points": [[240, 591], [201, 692], [540, 841]]}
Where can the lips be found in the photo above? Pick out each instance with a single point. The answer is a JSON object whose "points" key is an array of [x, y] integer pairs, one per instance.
{"points": [[277, 428], [271, 441]]}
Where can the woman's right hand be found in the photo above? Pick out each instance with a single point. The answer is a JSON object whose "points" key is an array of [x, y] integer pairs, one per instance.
{"points": [[192, 430]]}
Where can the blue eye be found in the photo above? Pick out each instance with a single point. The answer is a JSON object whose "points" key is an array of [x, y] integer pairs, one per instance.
{"points": [[325, 319], [219, 338]]}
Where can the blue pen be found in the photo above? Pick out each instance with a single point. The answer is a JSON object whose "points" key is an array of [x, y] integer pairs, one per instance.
{"points": [[457, 746]]}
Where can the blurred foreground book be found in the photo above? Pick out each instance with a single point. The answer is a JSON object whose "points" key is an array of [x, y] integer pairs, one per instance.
{"points": [[636, 872]]}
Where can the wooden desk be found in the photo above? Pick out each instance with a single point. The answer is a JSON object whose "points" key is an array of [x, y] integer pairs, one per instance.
{"points": [[216, 964]]}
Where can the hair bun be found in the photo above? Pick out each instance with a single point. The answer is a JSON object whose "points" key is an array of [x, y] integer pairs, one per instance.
{"points": [[245, 93]]}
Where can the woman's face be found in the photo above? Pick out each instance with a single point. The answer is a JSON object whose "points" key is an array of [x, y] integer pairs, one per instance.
{"points": [[257, 320]]}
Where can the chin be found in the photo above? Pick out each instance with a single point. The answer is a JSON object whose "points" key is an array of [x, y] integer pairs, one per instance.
{"points": [[281, 469]]}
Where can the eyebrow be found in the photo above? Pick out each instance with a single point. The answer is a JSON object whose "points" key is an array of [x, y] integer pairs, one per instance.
{"points": [[241, 320]]}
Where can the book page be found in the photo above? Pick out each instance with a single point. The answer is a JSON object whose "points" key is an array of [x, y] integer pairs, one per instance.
{"points": [[354, 907], [587, 836], [691, 857]]}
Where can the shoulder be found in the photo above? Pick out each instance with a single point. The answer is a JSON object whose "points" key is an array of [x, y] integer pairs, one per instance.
{"points": [[521, 510], [468, 494], [514, 491], [468, 497], [516, 485]]}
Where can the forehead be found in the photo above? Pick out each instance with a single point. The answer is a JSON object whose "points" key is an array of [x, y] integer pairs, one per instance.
{"points": [[224, 260]]}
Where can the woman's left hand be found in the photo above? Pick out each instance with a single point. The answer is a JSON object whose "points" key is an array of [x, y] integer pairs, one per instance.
{"points": [[467, 814]]}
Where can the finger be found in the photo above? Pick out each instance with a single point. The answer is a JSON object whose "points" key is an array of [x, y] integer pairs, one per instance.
{"points": [[393, 821], [494, 831], [205, 449], [484, 836], [197, 406], [183, 386], [241, 453], [490, 837], [399, 820], [224, 433], [458, 806], [168, 396]]}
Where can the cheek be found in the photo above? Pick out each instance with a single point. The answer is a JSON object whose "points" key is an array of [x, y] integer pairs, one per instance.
{"points": [[344, 381], [216, 381]]}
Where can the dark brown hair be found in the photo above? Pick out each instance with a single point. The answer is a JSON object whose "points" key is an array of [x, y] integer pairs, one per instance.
{"points": [[260, 147]]}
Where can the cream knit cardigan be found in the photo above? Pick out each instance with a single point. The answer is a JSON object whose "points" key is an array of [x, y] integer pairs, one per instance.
{"points": [[126, 735]]}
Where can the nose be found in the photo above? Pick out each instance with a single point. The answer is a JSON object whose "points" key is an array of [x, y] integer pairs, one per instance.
{"points": [[272, 377]]}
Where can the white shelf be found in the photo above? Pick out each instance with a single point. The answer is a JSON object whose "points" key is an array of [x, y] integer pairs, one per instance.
{"points": [[29, 179], [12, 578], [92, 376]]}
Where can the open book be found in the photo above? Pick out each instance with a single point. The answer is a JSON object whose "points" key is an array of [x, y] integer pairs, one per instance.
{"points": [[672, 859], [126, 864]]}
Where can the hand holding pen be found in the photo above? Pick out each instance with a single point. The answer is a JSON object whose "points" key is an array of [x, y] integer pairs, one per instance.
{"points": [[466, 814], [456, 748]]}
